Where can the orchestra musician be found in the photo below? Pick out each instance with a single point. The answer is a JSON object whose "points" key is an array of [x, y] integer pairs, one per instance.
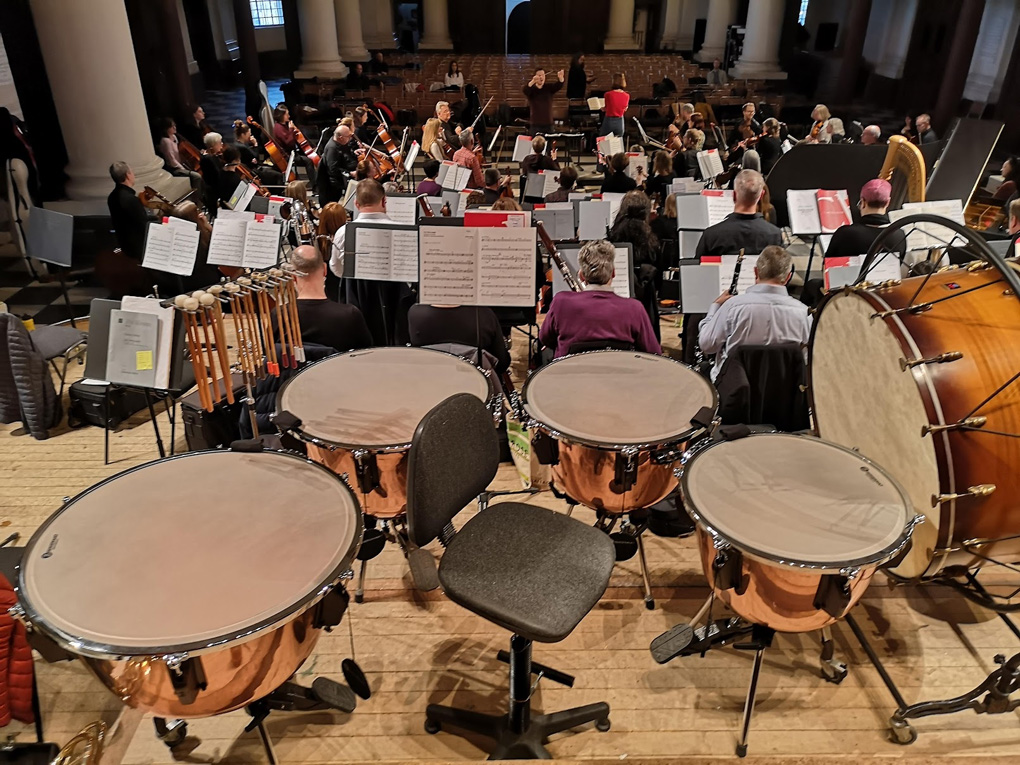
{"points": [[765, 314], [597, 313], [747, 129], [285, 136], [168, 150], [836, 131], [229, 175], [925, 134], [568, 178], [475, 326], [683, 122], [465, 157], [449, 135], [202, 274], [429, 185], [685, 162], [577, 78], [127, 213], [364, 133], [195, 127], [744, 228], [820, 115], [770, 148], [537, 160], [339, 161], [212, 166], [632, 226], [1014, 217], [617, 181], [540, 94], [872, 134], [617, 100], [248, 148], [496, 185], [430, 139], [657, 187]]}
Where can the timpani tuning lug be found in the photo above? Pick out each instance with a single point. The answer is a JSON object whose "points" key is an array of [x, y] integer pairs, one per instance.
{"points": [[981, 490], [970, 422], [942, 358]]}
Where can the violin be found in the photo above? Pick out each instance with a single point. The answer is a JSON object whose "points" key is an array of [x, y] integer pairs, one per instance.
{"points": [[155, 201], [816, 129], [380, 163], [275, 152]]}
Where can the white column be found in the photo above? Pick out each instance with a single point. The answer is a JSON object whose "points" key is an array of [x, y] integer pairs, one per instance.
{"points": [[348, 30], [720, 16], [993, 46], [621, 26], [670, 24], [437, 26], [94, 77], [320, 55], [377, 24], [760, 59], [897, 39], [688, 18], [188, 52]]}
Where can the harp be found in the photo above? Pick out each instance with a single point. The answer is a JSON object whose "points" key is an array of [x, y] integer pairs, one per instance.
{"points": [[904, 159]]}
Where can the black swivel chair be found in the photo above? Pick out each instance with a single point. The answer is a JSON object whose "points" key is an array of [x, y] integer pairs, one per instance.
{"points": [[529, 570], [764, 385]]}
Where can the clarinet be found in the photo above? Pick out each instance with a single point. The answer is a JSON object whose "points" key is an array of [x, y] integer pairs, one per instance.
{"points": [[736, 273], [561, 264]]}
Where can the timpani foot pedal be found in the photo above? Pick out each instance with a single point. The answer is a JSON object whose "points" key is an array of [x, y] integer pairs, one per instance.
{"points": [[423, 569], [334, 695], [671, 643]]}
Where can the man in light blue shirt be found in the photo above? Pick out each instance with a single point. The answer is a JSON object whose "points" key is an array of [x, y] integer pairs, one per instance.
{"points": [[764, 315]]}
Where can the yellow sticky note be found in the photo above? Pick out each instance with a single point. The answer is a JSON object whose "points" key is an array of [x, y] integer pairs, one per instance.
{"points": [[143, 360]]}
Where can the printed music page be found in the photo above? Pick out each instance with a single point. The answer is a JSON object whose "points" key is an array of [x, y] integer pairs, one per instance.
{"points": [[726, 268], [803, 206], [559, 223], [506, 266], [159, 246], [372, 249], [261, 244], [184, 251], [412, 154], [621, 263], [164, 336], [404, 254], [402, 209], [614, 198], [719, 206], [710, 163], [593, 220], [833, 209], [638, 160], [226, 248], [927, 235], [448, 271], [522, 148], [131, 348]]}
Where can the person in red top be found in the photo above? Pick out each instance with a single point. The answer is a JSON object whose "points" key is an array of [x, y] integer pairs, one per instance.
{"points": [[285, 136], [617, 101], [465, 157], [596, 314]]}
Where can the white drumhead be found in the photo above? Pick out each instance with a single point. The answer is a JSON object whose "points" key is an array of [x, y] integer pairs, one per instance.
{"points": [[617, 397], [864, 400], [376, 397], [190, 550], [796, 499]]}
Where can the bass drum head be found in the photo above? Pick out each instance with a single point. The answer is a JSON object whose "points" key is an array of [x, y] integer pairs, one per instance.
{"points": [[797, 501], [864, 400], [618, 398], [185, 553], [374, 399]]}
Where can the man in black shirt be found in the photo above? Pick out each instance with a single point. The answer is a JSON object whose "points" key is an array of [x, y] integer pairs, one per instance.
{"points": [[744, 228], [335, 325], [339, 160], [493, 185], [924, 132], [127, 213], [357, 79], [475, 326], [617, 181], [537, 160]]}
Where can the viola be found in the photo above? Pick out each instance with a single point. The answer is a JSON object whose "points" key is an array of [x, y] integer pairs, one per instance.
{"points": [[275, 152]]}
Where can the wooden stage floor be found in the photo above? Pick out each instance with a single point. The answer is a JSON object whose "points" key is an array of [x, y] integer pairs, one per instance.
{"points": [[420, 648]]}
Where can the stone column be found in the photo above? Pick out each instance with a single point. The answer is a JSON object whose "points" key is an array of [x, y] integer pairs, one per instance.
{"points": [[720, 16], [958, 64], [760, 59], [896, 41], [688, 18], [348, 30], [670, 24], [320, 55], [437, 26], [621, 26], [188, 52], [97, 93], [856, 30], [377, 21]]}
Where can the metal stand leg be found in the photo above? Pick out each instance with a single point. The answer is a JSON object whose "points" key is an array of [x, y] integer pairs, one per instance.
{"points": [[267, 743], [646, 582], [359, 591], [752, 690], [833, 670]]}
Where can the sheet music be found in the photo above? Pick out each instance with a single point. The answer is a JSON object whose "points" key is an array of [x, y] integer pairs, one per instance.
{"points": [[261, 244], [158, 246], [927, 236], [131, 349], [412, 155], [171, 248], [638, 161], [477, 266], [728, 266], [226, 248], [404, 254], [164, 334], [803, 206], [842, 271], [184, 251], [349, 193], [710, 163], [718, 207], [386, 254], [596, 104], [522, 148], [559, 223], [234, 215], [610, 144], [614, 198], [541, 184], [402, 209], [833, 209], [248, 193]]}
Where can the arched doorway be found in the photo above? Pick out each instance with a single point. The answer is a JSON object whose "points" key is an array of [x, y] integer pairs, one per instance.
{"points": [[518, 27]]}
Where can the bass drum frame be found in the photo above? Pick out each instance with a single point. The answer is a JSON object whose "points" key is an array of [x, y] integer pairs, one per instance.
{"points": [[946, 504]]}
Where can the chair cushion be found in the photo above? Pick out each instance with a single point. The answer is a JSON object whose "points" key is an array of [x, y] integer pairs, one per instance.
{"points": [[54, 341], [532, 571]]}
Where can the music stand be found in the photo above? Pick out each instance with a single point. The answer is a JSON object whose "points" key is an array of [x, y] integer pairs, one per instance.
{"points": [[50, 239]]}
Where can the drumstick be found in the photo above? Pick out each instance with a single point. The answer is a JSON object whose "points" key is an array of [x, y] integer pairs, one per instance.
{"points": [[253, 298], [283, 280], [283, 318], [242, 352], [211, 305], [186, 305], [275, 336], [254, 340], [266, 321], [210, 353]]}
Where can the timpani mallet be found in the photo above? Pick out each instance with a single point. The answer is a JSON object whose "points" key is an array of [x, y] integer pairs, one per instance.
{"points": [[187, 305], [211, 304], [201, 320]]}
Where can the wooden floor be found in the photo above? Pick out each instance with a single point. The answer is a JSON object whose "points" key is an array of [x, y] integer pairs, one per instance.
{"points": [[420, 648]]}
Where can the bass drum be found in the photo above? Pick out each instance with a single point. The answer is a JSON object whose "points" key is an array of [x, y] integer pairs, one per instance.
{"points": [[921, 377]]}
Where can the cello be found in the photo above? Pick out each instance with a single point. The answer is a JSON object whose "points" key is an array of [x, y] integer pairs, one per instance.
{"points": [[276, 154], [302, 143]]}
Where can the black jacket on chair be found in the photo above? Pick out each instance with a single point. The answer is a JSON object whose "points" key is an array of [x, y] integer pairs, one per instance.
{"points": [[762, 385]]}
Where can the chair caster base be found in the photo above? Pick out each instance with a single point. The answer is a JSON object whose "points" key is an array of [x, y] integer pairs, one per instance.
{"points": [[171, 732], [903, 733], [834, 672], [359, 597], [603, 725], [650, 604], [432, 727], [741, 750]]}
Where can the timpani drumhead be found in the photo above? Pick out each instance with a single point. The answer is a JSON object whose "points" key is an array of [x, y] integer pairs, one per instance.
{"points": [[622, 398], [375, 398], [185, 552], [797, 499], [863, 399]]}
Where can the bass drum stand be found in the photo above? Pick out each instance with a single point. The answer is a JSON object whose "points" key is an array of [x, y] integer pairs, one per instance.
{"points": [[685, 640], [993, 696]]}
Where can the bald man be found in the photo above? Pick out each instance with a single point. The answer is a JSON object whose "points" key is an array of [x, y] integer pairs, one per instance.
{"points": [[339, 161], [335, 325], [872, 134]]}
